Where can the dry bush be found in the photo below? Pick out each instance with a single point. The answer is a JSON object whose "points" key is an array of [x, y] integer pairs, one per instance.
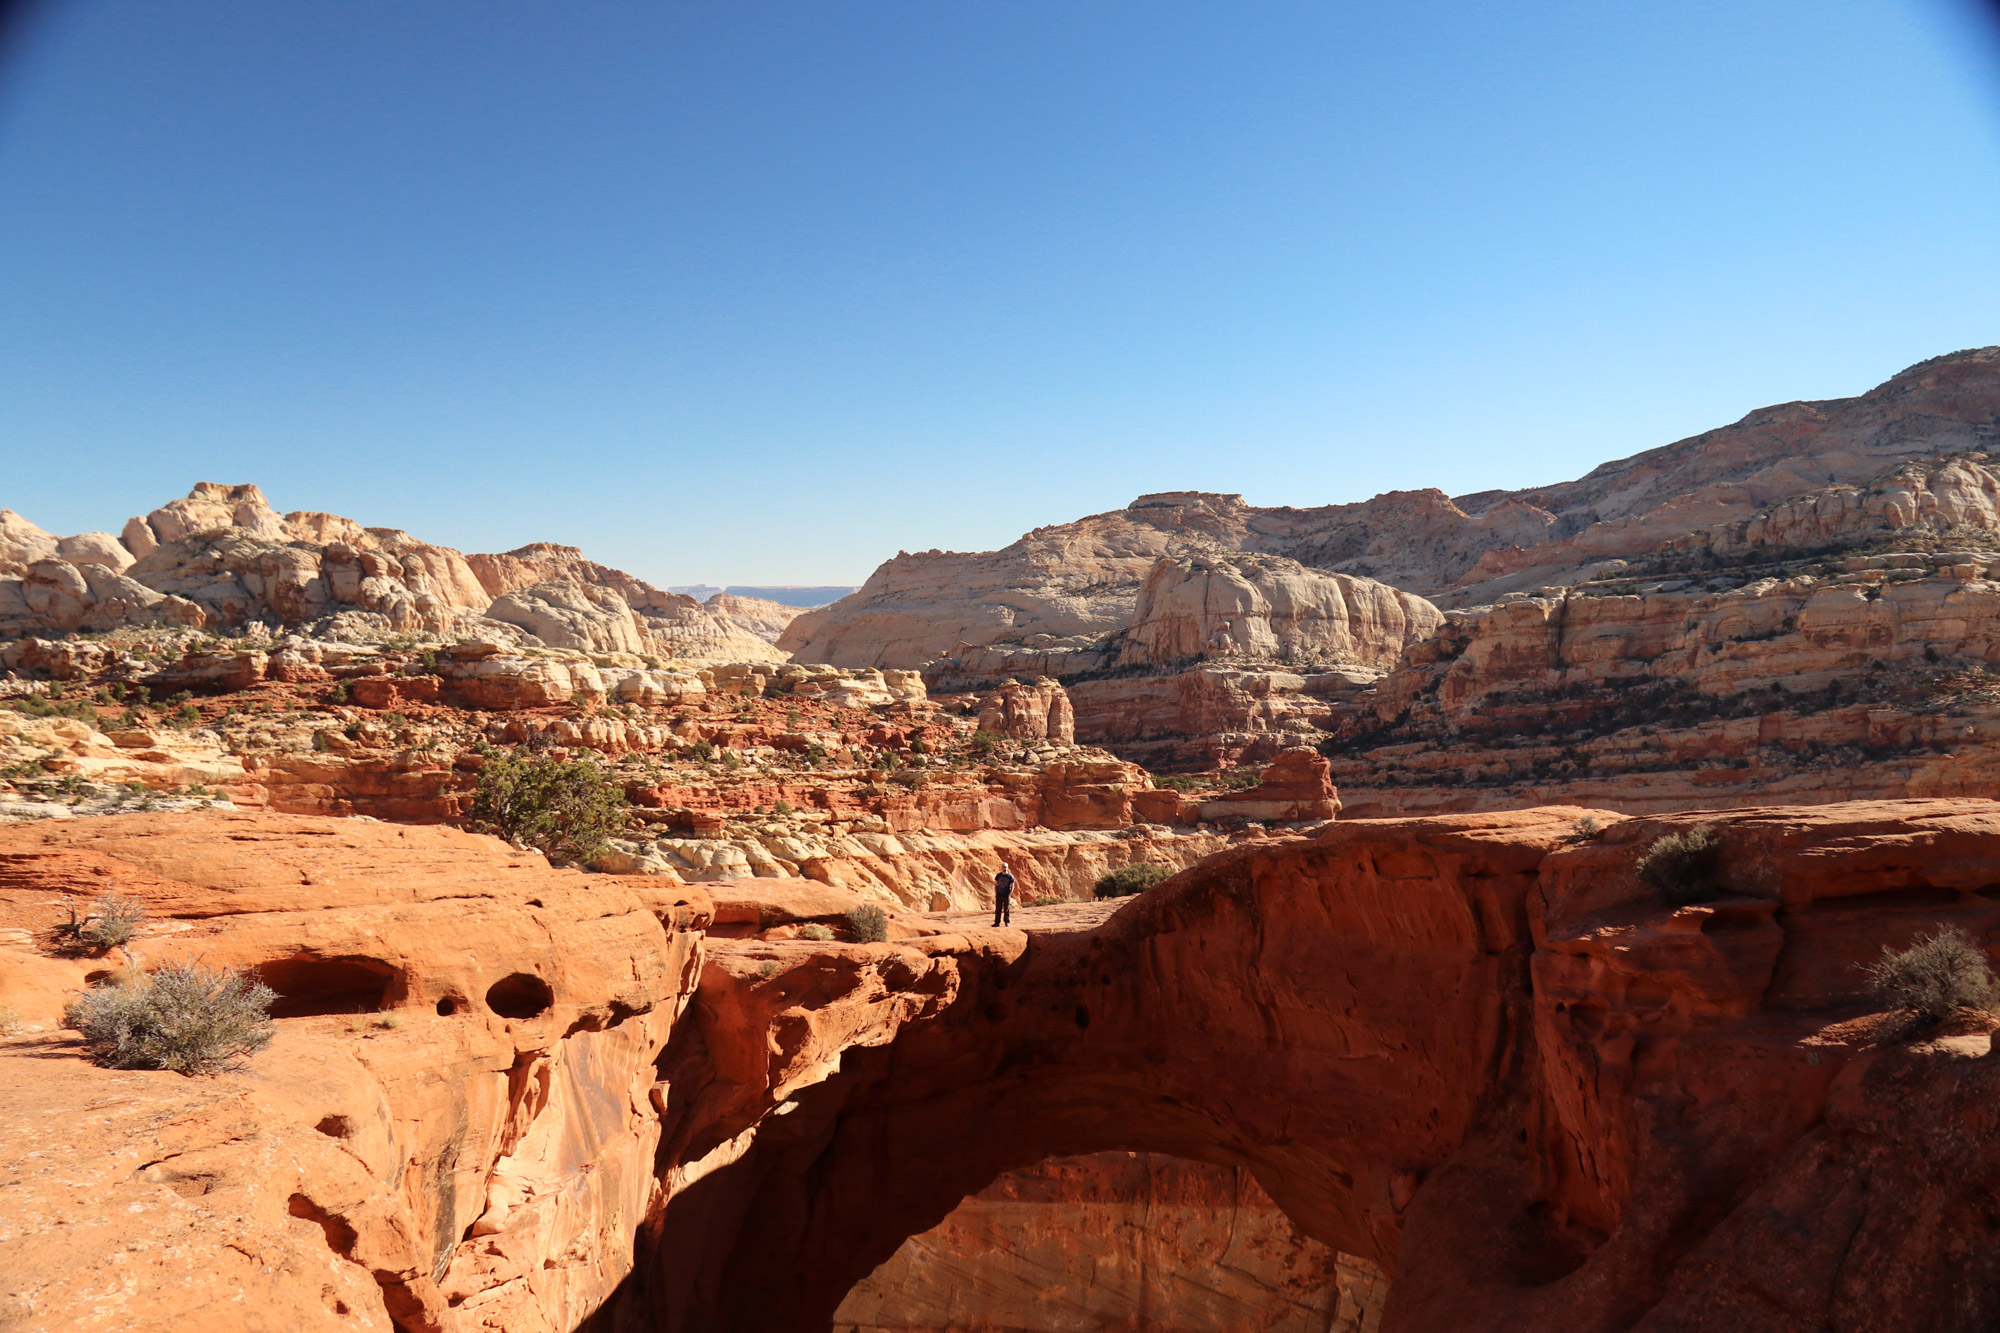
{"points": [[1681, 867], [815, 931], [1128, 880], [1936, 975], [190, 1019], [112, 920], [868, 924]]}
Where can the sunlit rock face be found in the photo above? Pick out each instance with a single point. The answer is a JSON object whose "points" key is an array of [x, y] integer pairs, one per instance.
{"points": [[1112, 1242]]}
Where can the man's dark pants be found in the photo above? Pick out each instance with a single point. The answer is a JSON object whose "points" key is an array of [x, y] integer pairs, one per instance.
{"points": [[1003, 908]]}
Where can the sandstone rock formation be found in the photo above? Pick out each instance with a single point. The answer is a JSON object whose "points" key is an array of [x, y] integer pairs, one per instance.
{"points": [[454, 1128], [1036, 712], [1047, 602], [1544, 1115], [766, 619], [222, 558], [1472, 1051], [1267, 608], [1801, 679], [669, 623]]}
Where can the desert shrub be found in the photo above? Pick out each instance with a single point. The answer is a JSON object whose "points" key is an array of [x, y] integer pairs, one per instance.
{"points": [[193, 1020], [781, 808], [111, 921], [1128, 880], [868, 924], [1681, 867], [1586, 828], [702, 750], [1935, 975], [815, 931], [984, 743], [565, 807]]}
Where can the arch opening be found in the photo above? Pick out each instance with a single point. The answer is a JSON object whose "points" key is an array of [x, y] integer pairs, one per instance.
{"points": [[1118, 1240]]}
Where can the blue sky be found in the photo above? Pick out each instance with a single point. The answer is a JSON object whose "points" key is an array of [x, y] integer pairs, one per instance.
{"points": [[760, 293]]}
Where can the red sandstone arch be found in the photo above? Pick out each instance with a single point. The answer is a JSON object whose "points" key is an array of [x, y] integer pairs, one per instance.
{"points": [[1337, 1020], [1474, 1049]]}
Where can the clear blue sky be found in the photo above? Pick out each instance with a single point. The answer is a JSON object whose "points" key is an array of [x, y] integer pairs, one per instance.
{"points": [[757, 293]]}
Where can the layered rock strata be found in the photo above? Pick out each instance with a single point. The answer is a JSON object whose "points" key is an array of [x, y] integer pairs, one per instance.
{"points": [[1048, 602], [852, 779]]}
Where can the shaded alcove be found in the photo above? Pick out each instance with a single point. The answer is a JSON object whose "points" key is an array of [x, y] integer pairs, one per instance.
{"points": [[520, 995], [1116, 1241], [307, 984]]}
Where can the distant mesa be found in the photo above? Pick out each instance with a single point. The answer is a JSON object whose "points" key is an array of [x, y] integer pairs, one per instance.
{"points": [[786, 594]]}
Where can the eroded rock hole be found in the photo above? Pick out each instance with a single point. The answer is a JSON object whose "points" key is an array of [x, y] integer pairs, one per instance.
{"points": [[308, 986], [340, 1236], [448, 1006], [335, 1127], [522, 995]]}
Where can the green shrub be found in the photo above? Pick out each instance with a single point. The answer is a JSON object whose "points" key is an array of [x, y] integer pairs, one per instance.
{"points": [[815, 931], [868, 924], [1128, 880], [1936, 975], [193, 1020], [1681, 867], [565, 807], [702, 750], [984, 743]]}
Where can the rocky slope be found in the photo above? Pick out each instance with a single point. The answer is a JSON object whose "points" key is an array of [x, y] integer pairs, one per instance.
{"points": [[855, 780], [222, 558], [1060, 590], [1832, 647]]}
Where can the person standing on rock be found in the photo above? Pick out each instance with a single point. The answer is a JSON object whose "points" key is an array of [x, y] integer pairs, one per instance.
{"points": [[1003, 896]]}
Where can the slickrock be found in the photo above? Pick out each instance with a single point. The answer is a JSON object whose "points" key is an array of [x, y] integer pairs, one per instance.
{"points": [[849, 779], [222, 558], [766, 619], [669, 623], [1267, 607], [454, 1128]]}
